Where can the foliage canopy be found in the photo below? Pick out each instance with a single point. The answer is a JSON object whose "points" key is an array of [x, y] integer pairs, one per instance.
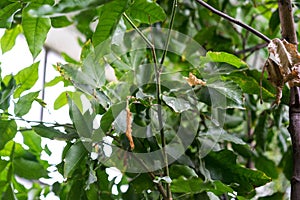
{"points": [[220, 141]]}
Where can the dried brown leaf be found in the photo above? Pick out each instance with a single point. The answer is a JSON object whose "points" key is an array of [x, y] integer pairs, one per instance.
{"points": [[193, 80], [128, 128]]}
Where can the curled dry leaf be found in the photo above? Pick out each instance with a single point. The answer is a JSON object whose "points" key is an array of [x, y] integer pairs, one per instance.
{"points": [[282, 65], [193, 80], [128, 128]]}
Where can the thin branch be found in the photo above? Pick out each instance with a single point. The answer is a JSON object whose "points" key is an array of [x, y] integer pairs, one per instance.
{"points": [[166, 195], [251, 49], [44, 80], [162, 134], [169, 33], [235, 21], [139, 31]]}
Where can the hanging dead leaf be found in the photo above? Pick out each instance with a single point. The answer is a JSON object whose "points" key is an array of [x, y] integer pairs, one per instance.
{"points": [[128, 128], [282, 65], [193, 80]]}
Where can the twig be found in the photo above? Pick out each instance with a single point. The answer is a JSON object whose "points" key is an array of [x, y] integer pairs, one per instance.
{"points": [[251, 49], [166, 195], [235, 21], [162, 134]]}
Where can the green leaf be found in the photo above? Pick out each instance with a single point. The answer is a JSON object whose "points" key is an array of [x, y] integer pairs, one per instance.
{"points": [[177, 104], [48, 132], [7, 89], [249, 80], [26, 78], [54, 81], [33, 141], [8, 131], [73, 158], [9, 194], [275, 196], [219, 135], [29, 169], [146, 11], [181, 170], [6, 14], [65, 6], [222, 95], [261, 130], [274, 21], [9, 38], [83, 122], [23, 105], [192, 185], [109, 117], [242, 179], [266, 165], [60, 21], [226, 58], [35, 30], [286, 163], [110, 16], [62, 100]]}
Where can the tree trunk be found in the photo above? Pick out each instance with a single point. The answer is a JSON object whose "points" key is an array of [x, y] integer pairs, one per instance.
{"points": [[288, 32]]}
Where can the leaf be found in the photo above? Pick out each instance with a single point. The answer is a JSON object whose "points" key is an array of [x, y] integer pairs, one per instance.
{"points": [[243, 180], [181, 170], [222, 95], [248, 81], [192, 185], [66, 6], [266, 165], [51, 133], [110, 16], [225, 58], [177, 104], [73, 158], [54, 81], [82, 122], [7, 89], [6, 14], [219, 135], [8, 131], [9, 194], [62, 100], [35, 30], [33, 141], [29, 169], [109, 117], [261, 130], [23, 105], [146, 11], [26, 78], [286, 163], [60, 21], [275, 196], [9, 38], [274, 21]]}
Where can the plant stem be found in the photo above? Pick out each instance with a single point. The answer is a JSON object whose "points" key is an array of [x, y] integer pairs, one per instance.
{"points": [[151, 46], [162, 134], [159, 102], [233, 20]]}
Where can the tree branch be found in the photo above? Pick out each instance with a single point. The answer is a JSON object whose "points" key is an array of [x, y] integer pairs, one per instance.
{"points": [[287, 24], [235, 21], [251, 49], [288, 32]]}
